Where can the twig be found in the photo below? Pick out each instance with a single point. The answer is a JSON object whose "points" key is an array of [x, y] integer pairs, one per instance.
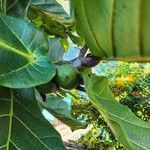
{"points": [[83, 51]]}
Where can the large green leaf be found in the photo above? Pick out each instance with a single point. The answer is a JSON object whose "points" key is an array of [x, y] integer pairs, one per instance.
{"points": [[90, 24], [131, 131], [22, 54], [22, 124], [61, 110], [110, 30]]}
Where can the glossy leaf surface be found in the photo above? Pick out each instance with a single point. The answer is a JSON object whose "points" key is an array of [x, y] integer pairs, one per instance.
{"points": [[22, 124], [22, 54]]}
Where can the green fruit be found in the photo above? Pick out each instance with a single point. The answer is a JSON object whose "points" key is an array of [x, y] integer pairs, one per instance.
{"points": [[67, 76]]}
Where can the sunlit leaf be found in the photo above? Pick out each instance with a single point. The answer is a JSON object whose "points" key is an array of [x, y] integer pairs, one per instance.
{"points": [[110, 30], [131, 131]]}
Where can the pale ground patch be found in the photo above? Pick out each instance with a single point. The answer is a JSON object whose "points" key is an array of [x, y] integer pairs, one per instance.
{"points": [[70, 137], [66, 133]]}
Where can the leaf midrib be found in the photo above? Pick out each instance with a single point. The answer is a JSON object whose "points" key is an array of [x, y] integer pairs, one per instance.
{"points": [[11, 115], [12, 49]]}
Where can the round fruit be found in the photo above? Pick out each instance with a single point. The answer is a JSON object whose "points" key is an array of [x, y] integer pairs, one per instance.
{"points": [[67, 76]]}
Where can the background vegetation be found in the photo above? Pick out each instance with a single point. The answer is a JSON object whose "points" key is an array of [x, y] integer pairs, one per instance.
{"points": [[130, 83]]}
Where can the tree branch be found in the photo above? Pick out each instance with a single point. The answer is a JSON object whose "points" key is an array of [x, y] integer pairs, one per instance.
{"points": [[83, 51], [85, 61]]}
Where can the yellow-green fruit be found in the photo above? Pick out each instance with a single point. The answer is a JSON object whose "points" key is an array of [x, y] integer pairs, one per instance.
{"points": [[67, 76]]}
